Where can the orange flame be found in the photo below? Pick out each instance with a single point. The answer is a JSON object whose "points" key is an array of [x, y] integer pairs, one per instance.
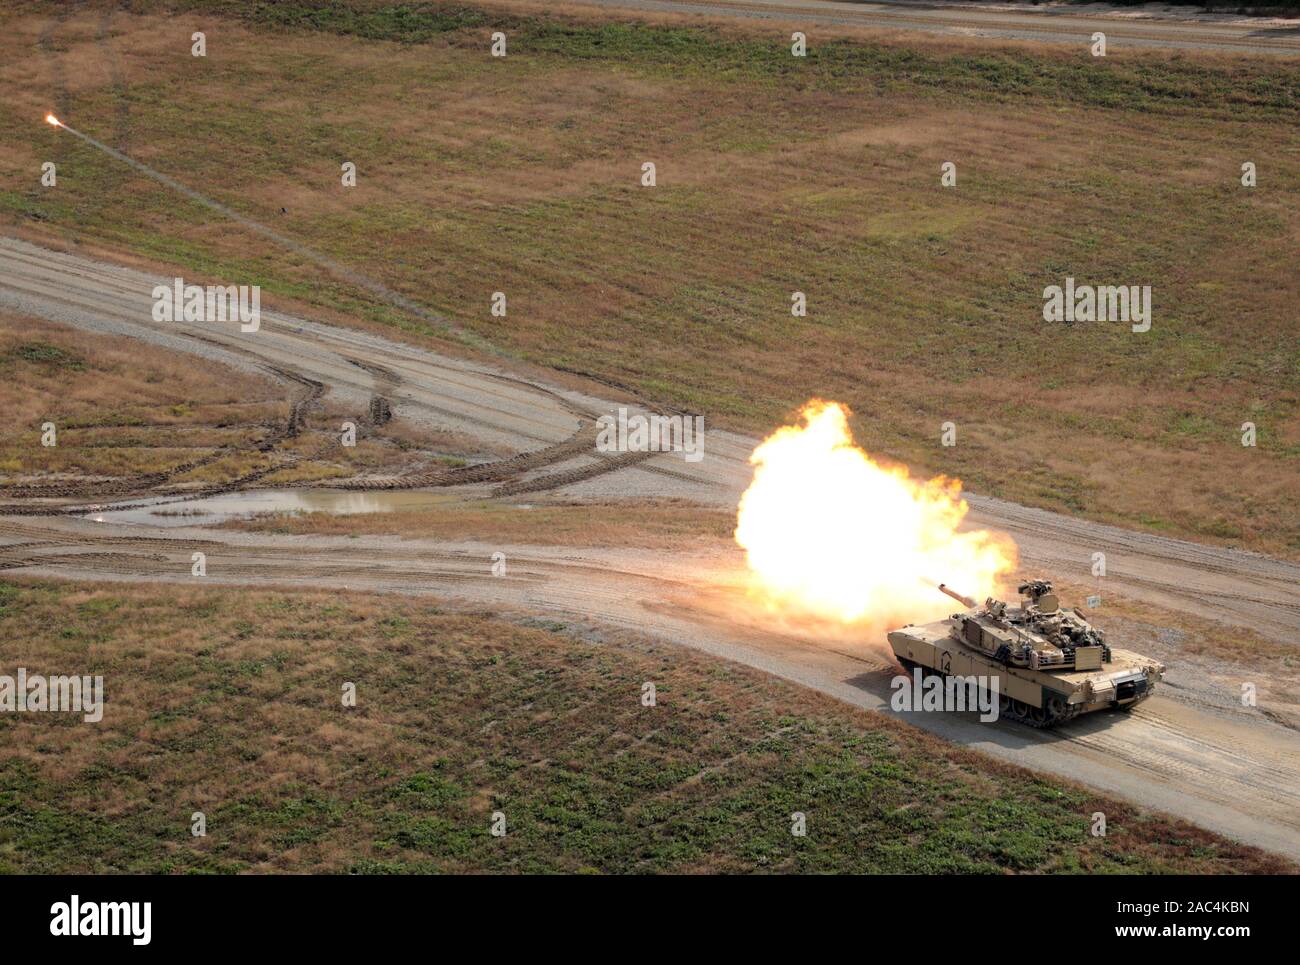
{"points": [[830, 533]]}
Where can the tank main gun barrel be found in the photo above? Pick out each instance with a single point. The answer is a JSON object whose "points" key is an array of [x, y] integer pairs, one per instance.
{"points": [[964, 600]]}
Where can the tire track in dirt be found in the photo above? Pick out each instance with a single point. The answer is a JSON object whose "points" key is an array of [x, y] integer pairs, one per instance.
{"points": [[133, 484], [379, 411], [557, 480], [1236, 774], [1176, 763], [1235, 587], [390, 369], [140, 484]]}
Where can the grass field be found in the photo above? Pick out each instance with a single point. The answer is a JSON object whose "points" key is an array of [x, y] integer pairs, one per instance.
{"points": [[774, 175], [1210, 656], [121, 412], [229, 703], [125, 413], [660, 524]]}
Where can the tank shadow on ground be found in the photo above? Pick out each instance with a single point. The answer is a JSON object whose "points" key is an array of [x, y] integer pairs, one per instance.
{"points": [[965, 727]]}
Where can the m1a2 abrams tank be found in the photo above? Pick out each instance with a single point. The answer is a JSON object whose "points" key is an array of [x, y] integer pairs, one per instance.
{"points": [[1051, 664]]}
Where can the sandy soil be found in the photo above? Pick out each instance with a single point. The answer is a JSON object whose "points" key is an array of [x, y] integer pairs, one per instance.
{"points": [[1231, 769]]}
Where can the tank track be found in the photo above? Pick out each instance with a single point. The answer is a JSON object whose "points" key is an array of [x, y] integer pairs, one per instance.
{"points": [[1055, 712], [1042, 718]]}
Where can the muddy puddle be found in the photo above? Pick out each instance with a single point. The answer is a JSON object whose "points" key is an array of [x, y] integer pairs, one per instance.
{"points": [[213, 510]]}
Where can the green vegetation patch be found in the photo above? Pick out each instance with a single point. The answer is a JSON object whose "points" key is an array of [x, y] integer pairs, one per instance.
{"points": [[229, 703]]}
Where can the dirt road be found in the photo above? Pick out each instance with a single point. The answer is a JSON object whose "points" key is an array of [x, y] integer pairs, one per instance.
{"points": [[1057, 24], [1232, 770], [1233, 773], [507, 413]]}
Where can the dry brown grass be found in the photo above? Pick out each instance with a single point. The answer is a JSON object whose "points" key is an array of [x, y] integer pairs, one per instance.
{"points": [[924, 303], [228, 702], [657, 524], [124, 410], [120, 409]]}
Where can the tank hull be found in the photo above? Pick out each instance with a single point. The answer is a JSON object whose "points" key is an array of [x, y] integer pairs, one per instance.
{"points": [[1040, 698]]}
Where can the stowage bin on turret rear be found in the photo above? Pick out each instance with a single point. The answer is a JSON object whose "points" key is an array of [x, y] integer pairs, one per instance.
{"points": [[1050, 663]]}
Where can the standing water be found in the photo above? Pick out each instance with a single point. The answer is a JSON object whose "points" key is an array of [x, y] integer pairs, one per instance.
{"points": [[212, 510]]}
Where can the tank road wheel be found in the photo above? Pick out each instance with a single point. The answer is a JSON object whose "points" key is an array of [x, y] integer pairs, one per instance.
{"points": [[1057, 709], [1039, 717], [1018, 709], [1004, 705]]}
